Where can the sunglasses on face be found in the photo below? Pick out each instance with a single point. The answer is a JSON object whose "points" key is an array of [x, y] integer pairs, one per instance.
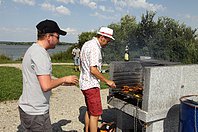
{"points": [[107, 39], [57, 36]]}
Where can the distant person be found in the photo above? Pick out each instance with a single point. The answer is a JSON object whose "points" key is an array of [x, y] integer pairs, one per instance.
{"points": [[90, 76], [76, 57], [126, 53], [37, 79]]}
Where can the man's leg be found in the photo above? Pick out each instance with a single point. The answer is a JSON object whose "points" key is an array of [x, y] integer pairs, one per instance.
{"points": [[87, 122], [78, 64], [75, 64], [93, 123], [94, 108], [76, 68]]}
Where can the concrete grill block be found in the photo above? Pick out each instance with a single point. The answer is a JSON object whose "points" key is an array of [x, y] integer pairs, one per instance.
{"points": [[189, 80], [163, 86]]}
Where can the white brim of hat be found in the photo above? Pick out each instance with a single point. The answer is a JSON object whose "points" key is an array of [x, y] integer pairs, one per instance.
{"points": [[106, 35]]}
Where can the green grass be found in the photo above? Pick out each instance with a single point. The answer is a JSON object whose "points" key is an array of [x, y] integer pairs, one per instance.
{"points": [[11, 83], [61, 70], [11, 80]]}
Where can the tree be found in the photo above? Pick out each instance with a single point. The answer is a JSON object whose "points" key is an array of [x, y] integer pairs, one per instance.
{"points": [[165, 39], [85, 36], [178, 41], [124, 34], [146, 31]]}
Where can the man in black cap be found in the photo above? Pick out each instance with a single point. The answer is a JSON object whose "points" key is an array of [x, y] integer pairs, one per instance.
{"points": [[37, 79]]}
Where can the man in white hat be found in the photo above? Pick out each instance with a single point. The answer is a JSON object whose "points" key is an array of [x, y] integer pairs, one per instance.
{"points": [[90, 76]]}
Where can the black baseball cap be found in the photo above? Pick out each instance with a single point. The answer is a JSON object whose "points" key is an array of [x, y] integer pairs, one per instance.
{"points": [[49, 26]]}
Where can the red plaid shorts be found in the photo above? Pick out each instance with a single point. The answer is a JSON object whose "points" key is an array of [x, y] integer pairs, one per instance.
{"points": [[93, 101]]}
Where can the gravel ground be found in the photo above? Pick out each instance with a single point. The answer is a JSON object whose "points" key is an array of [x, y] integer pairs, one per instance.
{"points": [[67, 111]]}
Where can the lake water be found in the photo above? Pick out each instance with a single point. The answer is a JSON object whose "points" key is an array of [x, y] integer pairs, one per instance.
{"points": [[17, 51]]}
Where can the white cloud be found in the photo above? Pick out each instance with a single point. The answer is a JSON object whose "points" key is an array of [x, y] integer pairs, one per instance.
{"points": [[26, 2], [96, 14], [138, 4], [5, 29], [88, 3], [189, 17], [63, 10], [15, 29], [92, 5], [71, 31], [48, 6], [66, 1], [1, 1], [120, 3], [60, 9], [104, 9]]}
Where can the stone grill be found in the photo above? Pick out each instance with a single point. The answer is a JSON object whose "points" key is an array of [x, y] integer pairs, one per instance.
{"points": [[163, 84]]}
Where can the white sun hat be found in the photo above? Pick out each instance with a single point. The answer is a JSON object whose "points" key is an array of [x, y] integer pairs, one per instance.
{"points": [[105, 31]]}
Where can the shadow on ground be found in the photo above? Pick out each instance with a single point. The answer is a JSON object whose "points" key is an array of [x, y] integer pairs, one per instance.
{"points": [[57, 127], [108, 115]]}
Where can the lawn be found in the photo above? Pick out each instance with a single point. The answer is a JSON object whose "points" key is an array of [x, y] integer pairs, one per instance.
{"points": [[11, 80], [11, 83], [61, 70]]}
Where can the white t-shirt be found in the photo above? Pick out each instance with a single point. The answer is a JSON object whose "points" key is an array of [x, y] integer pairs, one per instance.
{"points": [[90, 56], [76, 52], [33, 100]]}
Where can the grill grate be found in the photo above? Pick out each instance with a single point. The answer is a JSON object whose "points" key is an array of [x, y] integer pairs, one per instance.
{"points": [[130, 74]]}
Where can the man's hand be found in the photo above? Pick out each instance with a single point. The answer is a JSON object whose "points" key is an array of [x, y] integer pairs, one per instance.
{"points": [[70, 80], [111, 83]]}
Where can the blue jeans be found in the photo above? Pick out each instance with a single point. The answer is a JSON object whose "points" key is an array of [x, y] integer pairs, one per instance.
{"points": [[76, 61]]}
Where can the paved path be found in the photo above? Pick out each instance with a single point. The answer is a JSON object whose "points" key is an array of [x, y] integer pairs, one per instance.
{"points": [[18, 65]]}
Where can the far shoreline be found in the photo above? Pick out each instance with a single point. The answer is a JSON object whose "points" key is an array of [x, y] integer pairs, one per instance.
{"points": [[29, 43]]}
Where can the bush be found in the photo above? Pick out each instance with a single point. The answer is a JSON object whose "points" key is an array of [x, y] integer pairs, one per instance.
{"points": [[63, 56], [4, 59]]}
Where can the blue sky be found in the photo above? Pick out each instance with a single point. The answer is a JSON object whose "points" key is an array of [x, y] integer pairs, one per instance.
{"points": [[18, 18]]}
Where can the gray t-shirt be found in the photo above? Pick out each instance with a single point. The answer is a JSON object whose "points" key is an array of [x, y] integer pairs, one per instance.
{"points": [[33, 100]]}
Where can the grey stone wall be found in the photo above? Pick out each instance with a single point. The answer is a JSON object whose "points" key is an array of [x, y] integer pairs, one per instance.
{"points": [[163, 87]]}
